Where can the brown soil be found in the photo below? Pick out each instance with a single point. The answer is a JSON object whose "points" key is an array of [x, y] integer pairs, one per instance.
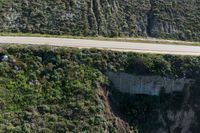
{"points": [[112, 112]]}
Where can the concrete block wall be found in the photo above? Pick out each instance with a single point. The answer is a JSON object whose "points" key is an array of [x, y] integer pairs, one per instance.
{"points": [[150, 85]]}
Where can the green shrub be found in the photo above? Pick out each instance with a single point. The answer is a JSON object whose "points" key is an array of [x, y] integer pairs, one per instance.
{"points": [[56, 90]]}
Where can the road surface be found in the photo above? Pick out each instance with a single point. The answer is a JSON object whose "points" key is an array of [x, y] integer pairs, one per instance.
{"points": [[108, 45]]}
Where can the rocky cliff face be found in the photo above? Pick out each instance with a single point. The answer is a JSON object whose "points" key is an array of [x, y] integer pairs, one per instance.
{"points": [[156, 18], [175, 111], [177, 119]]}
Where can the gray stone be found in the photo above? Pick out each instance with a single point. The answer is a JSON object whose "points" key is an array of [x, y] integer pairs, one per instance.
{"points": [[4, 58]]}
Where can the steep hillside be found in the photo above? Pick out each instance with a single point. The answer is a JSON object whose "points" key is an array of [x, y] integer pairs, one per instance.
{"points": [[62, 90], [175, 19], [44, 92]]}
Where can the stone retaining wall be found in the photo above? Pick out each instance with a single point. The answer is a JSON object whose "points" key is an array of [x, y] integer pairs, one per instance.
{"points": [[150, 85]]}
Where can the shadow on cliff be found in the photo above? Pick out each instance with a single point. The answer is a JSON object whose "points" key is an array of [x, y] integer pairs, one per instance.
{"points": [[166, 113], [112, 111]]}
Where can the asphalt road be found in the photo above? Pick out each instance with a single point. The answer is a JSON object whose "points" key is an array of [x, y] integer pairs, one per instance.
{"points": [[108, 45]]}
